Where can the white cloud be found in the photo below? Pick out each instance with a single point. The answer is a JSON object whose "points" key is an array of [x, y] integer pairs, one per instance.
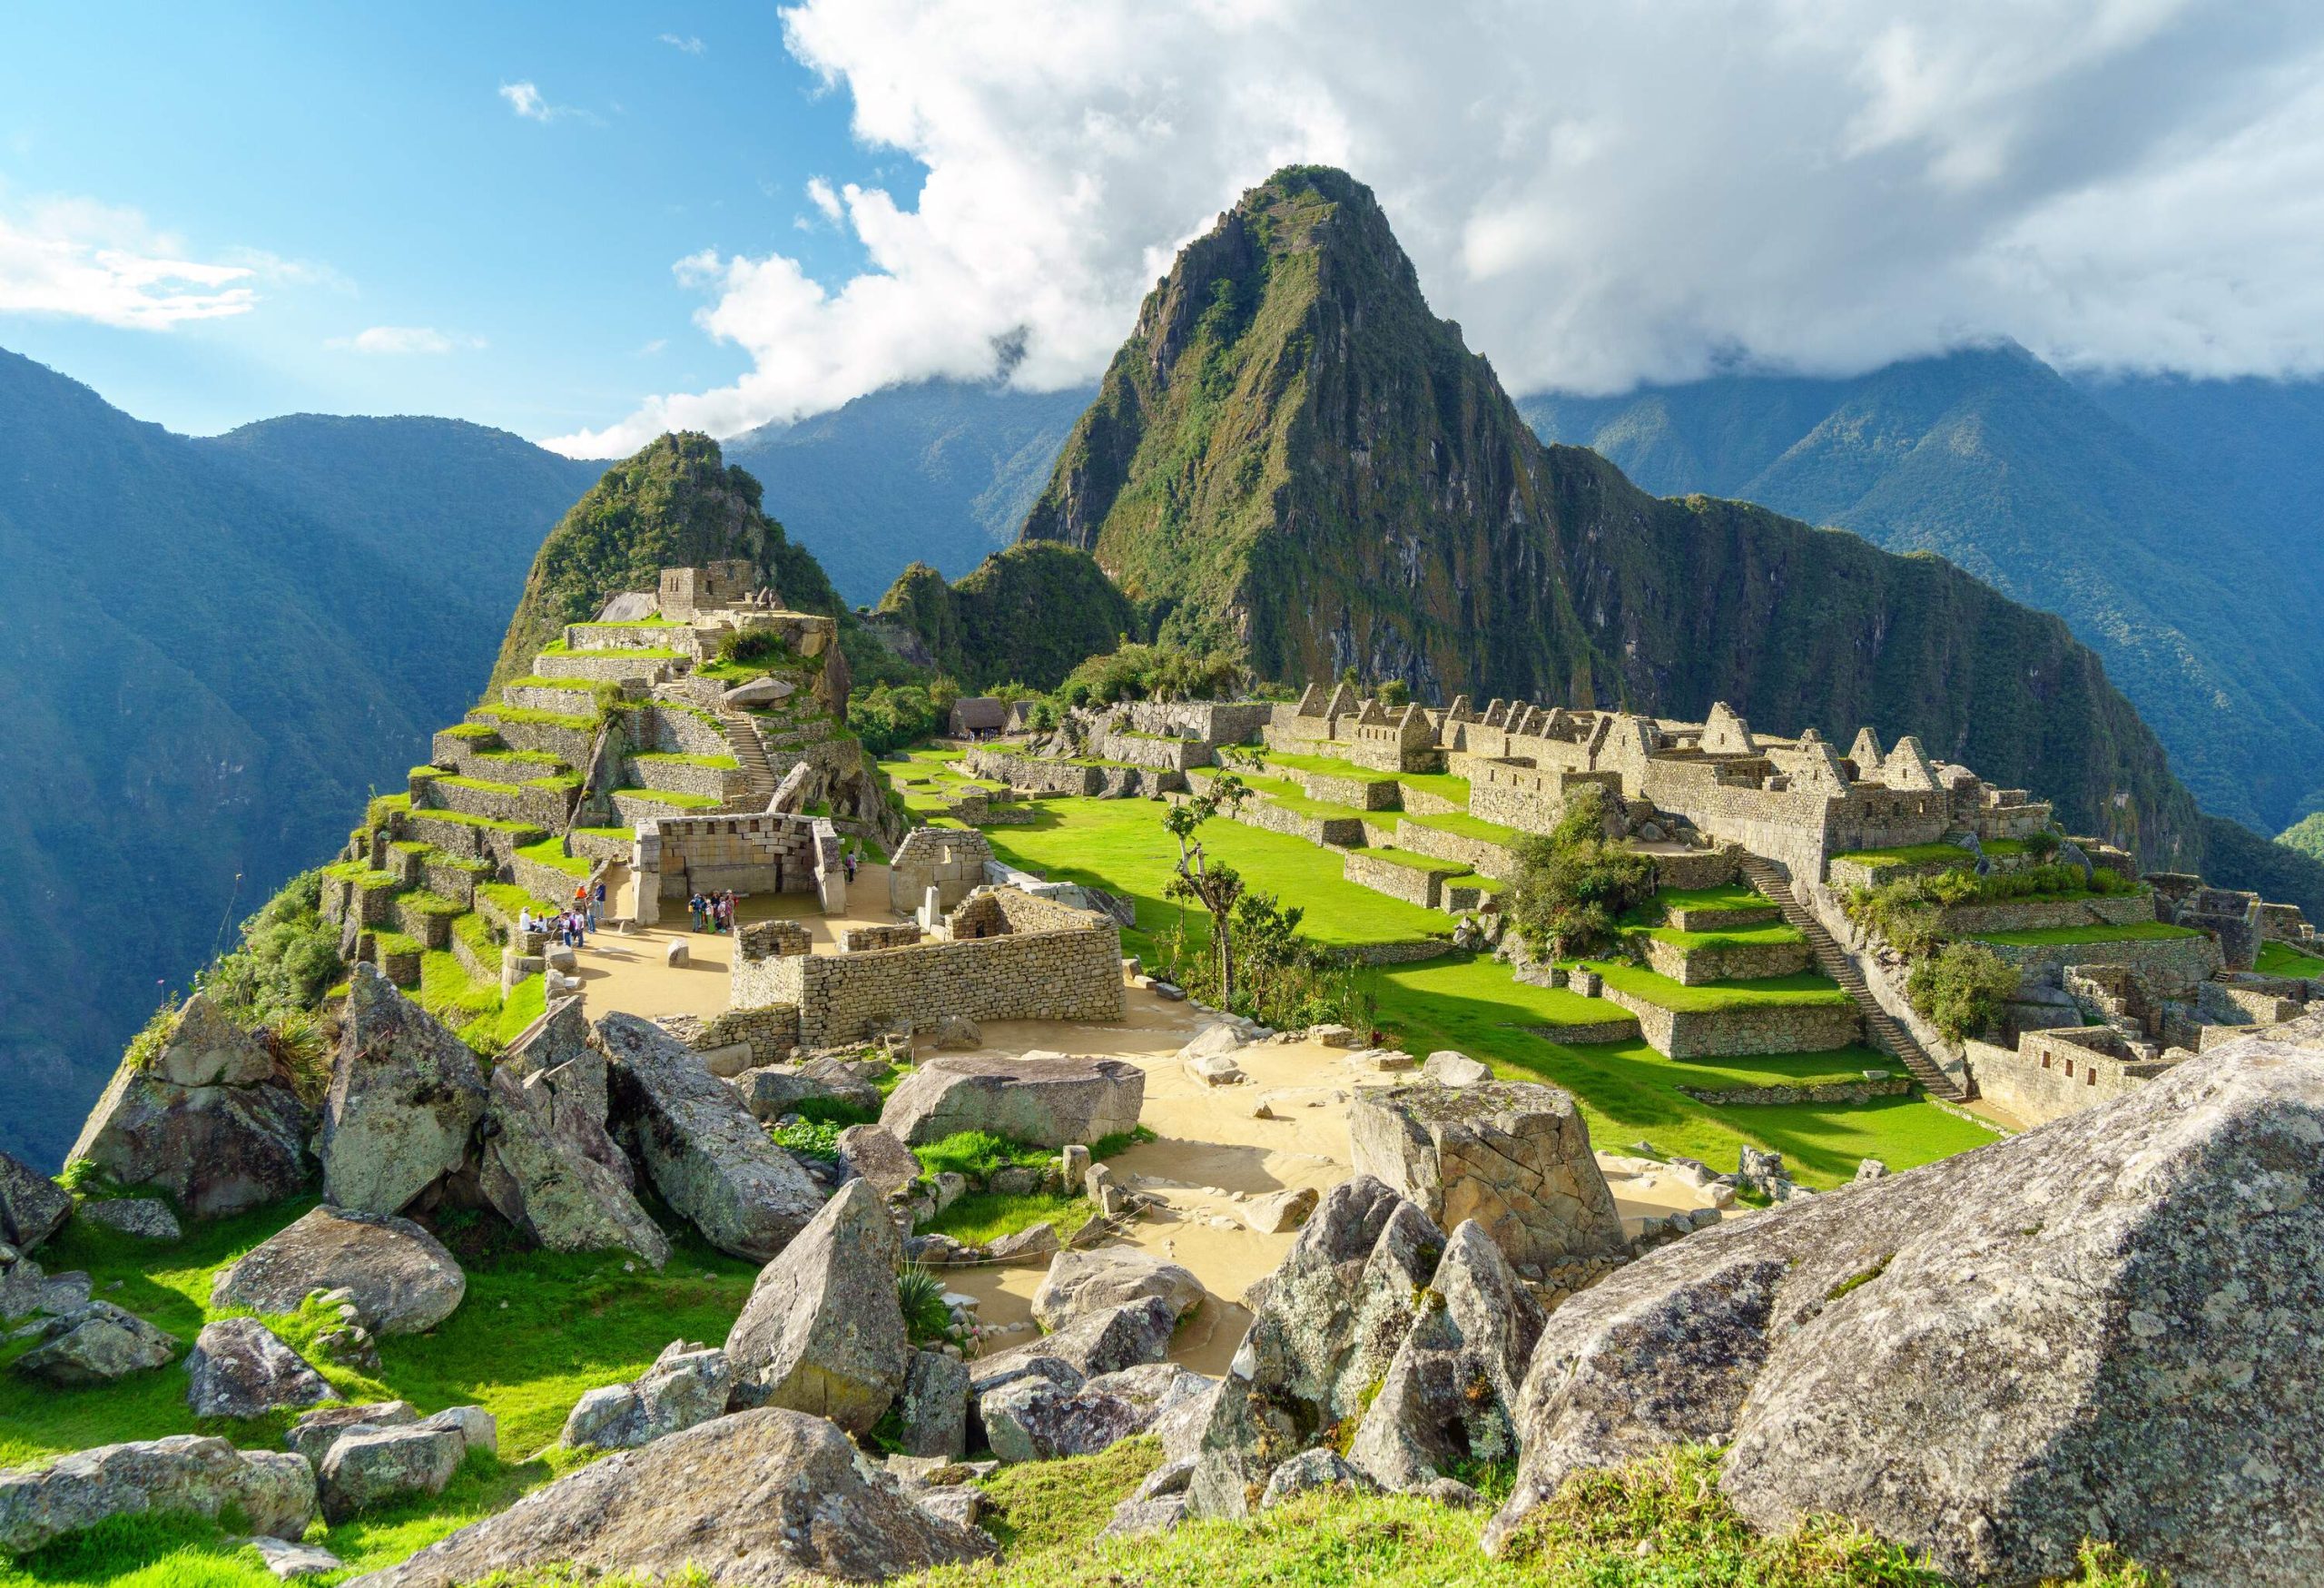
{"points": [[1599, 194], [526, 100], [86, 260], [399, 341], [686, 42]]}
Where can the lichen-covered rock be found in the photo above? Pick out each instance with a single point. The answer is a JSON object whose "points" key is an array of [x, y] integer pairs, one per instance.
{"points": [[96, 1343], [272, 1491], [240, 1368], [874, 1152], [1082, 1282], [933, 1408], [1095, 1343], [1327, 1326], [822, 1331], [688, 1384], [1046, 1099], [403, 1280], [1514, 1156], [206, 1121], [1450, 1391], [1280, 1212], [289, 1560], [368, 1465], [2103, 1328], [545, 1169], [315, 1432], [405, 1096], [771, 1092], [708, 1158], [761, 1497], [1315, 1469], [146, 1218], [32, 1206], [1032, 1419]]}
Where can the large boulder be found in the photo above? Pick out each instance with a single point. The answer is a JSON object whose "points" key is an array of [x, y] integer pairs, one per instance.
{"points": [[314, 1433], [1329, 1324], [272, 1491], [545, 1166], [561, 1045], [764, 1497], [404, 1281], [933, 1408], [367, 1466], [96, 1343], [873, 1153], [146, 1218], [206, 1120], [32, 1206], [771, 1091], [688, 1384], [406, 1095], [822, 1331], [1046, 1099], [1095, 1343], [2102, 1328], [709, 1158], [1033, 1420], [1082, 1282], [240, 1368], [1450, 1392], [1514, 1156]]}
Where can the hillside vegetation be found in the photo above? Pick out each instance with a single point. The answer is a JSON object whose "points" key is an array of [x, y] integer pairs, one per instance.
{"points": [[1028, 615]]}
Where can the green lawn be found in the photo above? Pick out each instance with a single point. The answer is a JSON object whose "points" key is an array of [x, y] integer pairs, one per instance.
{"points": [[1467, 826], [1765, 935], [676, 758], [1443, 785], [2281, 959], [1805, 988], [1727, 896], [2136, 931], [1283, 793], [1419, 863], [674, 798], [1329, 766], [550, 851], [1911, 855]]}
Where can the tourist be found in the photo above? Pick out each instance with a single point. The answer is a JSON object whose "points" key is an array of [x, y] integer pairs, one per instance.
{"points": [[523, 920], [847, 863], [694, 909], [597, 905]]}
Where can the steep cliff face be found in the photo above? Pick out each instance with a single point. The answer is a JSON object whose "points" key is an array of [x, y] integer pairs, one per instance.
{"points": [[1028, 614], [677, 503], [1293, 455]]}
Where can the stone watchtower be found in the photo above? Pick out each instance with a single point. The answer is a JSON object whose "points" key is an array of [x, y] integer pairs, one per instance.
{"points": [[686, 593]]}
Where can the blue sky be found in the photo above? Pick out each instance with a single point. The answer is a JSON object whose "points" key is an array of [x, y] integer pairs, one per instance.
{"points": [[369, 154], [591, 222]]}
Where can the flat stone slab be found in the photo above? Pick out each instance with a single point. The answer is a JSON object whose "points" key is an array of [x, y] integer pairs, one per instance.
{"points": [[1047, 1098], [404, 1281]]}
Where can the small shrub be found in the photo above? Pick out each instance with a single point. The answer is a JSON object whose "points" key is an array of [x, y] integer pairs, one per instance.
{"points": [[1960, 987], [2042, 845], [927, 1320], [1572, 887], [835, 1112], [978, 1153], [808, 1138]]}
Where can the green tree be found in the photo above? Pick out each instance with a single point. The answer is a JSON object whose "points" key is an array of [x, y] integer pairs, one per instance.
{"points": [[1213, 884], [1961, 987], [1571, 885]]}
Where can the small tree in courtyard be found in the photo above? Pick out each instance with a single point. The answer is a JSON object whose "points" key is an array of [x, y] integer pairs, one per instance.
{"points": [[1571, 885], [1210, 884], [1961, 987]]}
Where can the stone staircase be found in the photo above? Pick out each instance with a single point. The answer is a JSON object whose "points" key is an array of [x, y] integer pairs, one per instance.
{"points": [[750, 752], [1886, 1030]]}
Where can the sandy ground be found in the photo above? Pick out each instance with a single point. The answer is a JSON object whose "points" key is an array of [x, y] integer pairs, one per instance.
{"points": [[1212, 1154], [629, 972]]}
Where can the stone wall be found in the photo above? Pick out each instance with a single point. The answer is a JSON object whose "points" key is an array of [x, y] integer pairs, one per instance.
{"points": [[949, 859], [544, 881], [717, 782], [760, 852], [771, 1030], [2054, 1073], [1824, 1093], [1477, 853], [2175, 966], [1071, 975], [1421, 802], [1164, 755], [858, 939], [592, 667], [570, 745], [674, 729], [544, 807], [1727, 1033], [2033, 914], [576, 699], [770, 939], [1214, 722], [1365, 794], [1410, 883], [1036, 773], [1332, 831], [1701, 963], [1528, 798]]}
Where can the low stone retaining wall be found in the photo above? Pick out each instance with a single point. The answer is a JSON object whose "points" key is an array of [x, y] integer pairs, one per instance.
{"points": [[578, 699], [771, 1031], [860, 939], [544, 881], [1033, 772], [1462, 898], [2033, 914], [1421, 802], [668, 727], [1625, 1030], [1479, 854], [1399, 953], [1730, 1033], [592, 845], [1697, 868], [1775, 1097], [1408, 882], [479, 968], [2176, 965], [497, 844], [570, 745], [636, 805], [509, 802], [718, 783], [1702, 963], [1332, 832], [593, 665], [1723, 918], [432, 928], [443, 873], [1164, 755], [1365, 794]]}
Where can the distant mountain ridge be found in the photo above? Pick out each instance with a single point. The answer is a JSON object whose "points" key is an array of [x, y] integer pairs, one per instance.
{"points": [[1293, 455], [215, 648], [2161, 556]]}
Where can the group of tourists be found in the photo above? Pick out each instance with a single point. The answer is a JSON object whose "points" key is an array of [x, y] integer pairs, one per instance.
{"points": [[713, 911], [569, 927]]}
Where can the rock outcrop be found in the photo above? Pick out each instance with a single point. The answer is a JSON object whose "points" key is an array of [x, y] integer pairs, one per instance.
{"points": [[240, 1368], [933, 1408], [32, 1206], [96, 1343], [1450, 1392], [873, 1153], [402, 1279], [1046, 1099], [146, 1218], [367, 1466], [547, 1161], [405, 1097], [2100, 1328], [822, 1331], [772, 1091], [272, 1491], [206, 1121], [1034, 1419], [1514, 1156], [707, 1157], [761, 1497], [688, 1384], [1094, 1344], [314, 1433], [1082, 1282], [1327, 1328]]}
